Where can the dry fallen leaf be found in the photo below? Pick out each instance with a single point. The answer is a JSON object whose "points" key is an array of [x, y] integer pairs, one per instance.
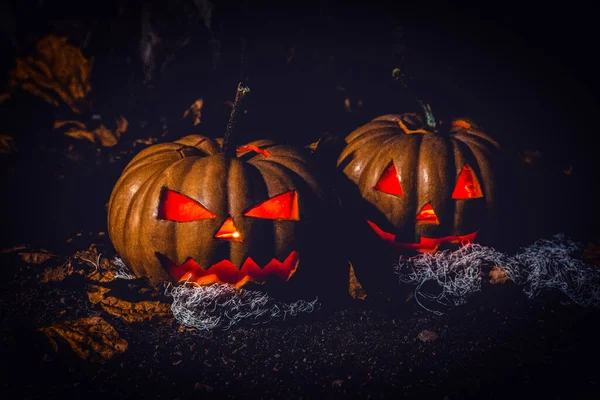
{"points": [[195, 110], [101, 134], [354, 287], [569, 171], [90, 264], [4, 96], [36, 257], [530, 157], [130, 311], [57, 72], [497, 275], [90, 338], [7, 144]]}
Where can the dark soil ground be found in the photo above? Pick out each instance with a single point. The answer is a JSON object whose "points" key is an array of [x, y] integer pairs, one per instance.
{"points": [[517, 78], [498, 345]]}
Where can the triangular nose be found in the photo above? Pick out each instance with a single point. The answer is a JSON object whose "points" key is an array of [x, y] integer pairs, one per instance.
{"points": [[228, 231], [427, 215]]}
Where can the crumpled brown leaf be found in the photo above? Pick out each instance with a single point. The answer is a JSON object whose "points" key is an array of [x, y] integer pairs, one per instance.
{"points": [[497, 275], [57, 72], [101, 134], [195, 110], [36, 256], [7, 144], [531, 156], [90, 338], [130, 311], [354, 287], [88, 263]]}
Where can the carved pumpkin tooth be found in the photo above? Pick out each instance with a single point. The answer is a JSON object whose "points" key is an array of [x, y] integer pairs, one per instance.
{"points": [[226, 272]]}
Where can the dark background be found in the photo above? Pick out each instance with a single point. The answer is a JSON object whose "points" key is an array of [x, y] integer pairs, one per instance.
{"points": [[527, 75]]}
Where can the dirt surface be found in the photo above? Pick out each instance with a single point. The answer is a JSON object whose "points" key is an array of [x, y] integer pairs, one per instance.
{"points": [[499, 344]]}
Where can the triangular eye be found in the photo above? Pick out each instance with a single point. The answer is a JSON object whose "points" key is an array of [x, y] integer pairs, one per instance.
{"points": [[389, 182], [282, 206], [467, 185], [180, 208]]}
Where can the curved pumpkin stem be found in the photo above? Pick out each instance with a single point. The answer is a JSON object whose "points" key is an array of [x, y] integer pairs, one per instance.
{"points": [[229, 145], [429, 118]]}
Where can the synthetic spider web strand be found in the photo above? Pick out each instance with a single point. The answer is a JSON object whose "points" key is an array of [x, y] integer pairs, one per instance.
{"points": [[557, 264], [217, 305], [545, 265], [123, 272], [457, 274]]}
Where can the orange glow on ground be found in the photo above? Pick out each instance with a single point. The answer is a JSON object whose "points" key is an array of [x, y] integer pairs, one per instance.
{"points": [[467, 185], [283, 206], [225, 272], [425, 245], [180, 208], [389, 182], [427, 215]]}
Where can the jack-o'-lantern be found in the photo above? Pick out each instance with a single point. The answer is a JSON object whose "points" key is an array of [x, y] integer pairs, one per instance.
{"points": [[423, 185], [202, 210]]}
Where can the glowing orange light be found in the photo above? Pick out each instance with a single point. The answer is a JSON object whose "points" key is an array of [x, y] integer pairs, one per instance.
{"points": [[228, 231], [467, 185], [389, 182], [180, 208], [461, 124], [225, 271], [425, 245], [282, 206], [427, 215], [252, 147]]}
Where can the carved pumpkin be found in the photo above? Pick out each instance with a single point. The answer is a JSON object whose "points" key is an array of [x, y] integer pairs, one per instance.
{"points": [[420, 187], [186, 211], [199, 210]]}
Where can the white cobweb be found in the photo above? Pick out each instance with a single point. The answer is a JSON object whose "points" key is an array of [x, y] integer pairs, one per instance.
{"points": [[223, 306], [450, 278]]}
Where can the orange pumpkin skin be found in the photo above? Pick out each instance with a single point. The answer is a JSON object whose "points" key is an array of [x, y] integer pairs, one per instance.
{"points": [[408, 183], [186, 211]]}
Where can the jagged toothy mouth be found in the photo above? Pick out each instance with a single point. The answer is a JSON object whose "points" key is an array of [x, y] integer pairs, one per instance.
{"points": [[425, 245], [225, 271]]}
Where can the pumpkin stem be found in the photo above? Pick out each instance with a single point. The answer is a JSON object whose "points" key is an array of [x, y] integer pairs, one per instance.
{"points": [[228, 147], [399, 76]]}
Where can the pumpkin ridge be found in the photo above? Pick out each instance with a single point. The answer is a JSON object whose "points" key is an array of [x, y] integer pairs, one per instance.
{"points": [[131, 227], [300, 169], [358, 143], [364, 181], [481, 143], [186, 173], [268, 170], [125, 181], [372, 132], [154, 188], [134, 168], [466, 156], [354, 150], [159, 154], [371, 125], [484, 170]]}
